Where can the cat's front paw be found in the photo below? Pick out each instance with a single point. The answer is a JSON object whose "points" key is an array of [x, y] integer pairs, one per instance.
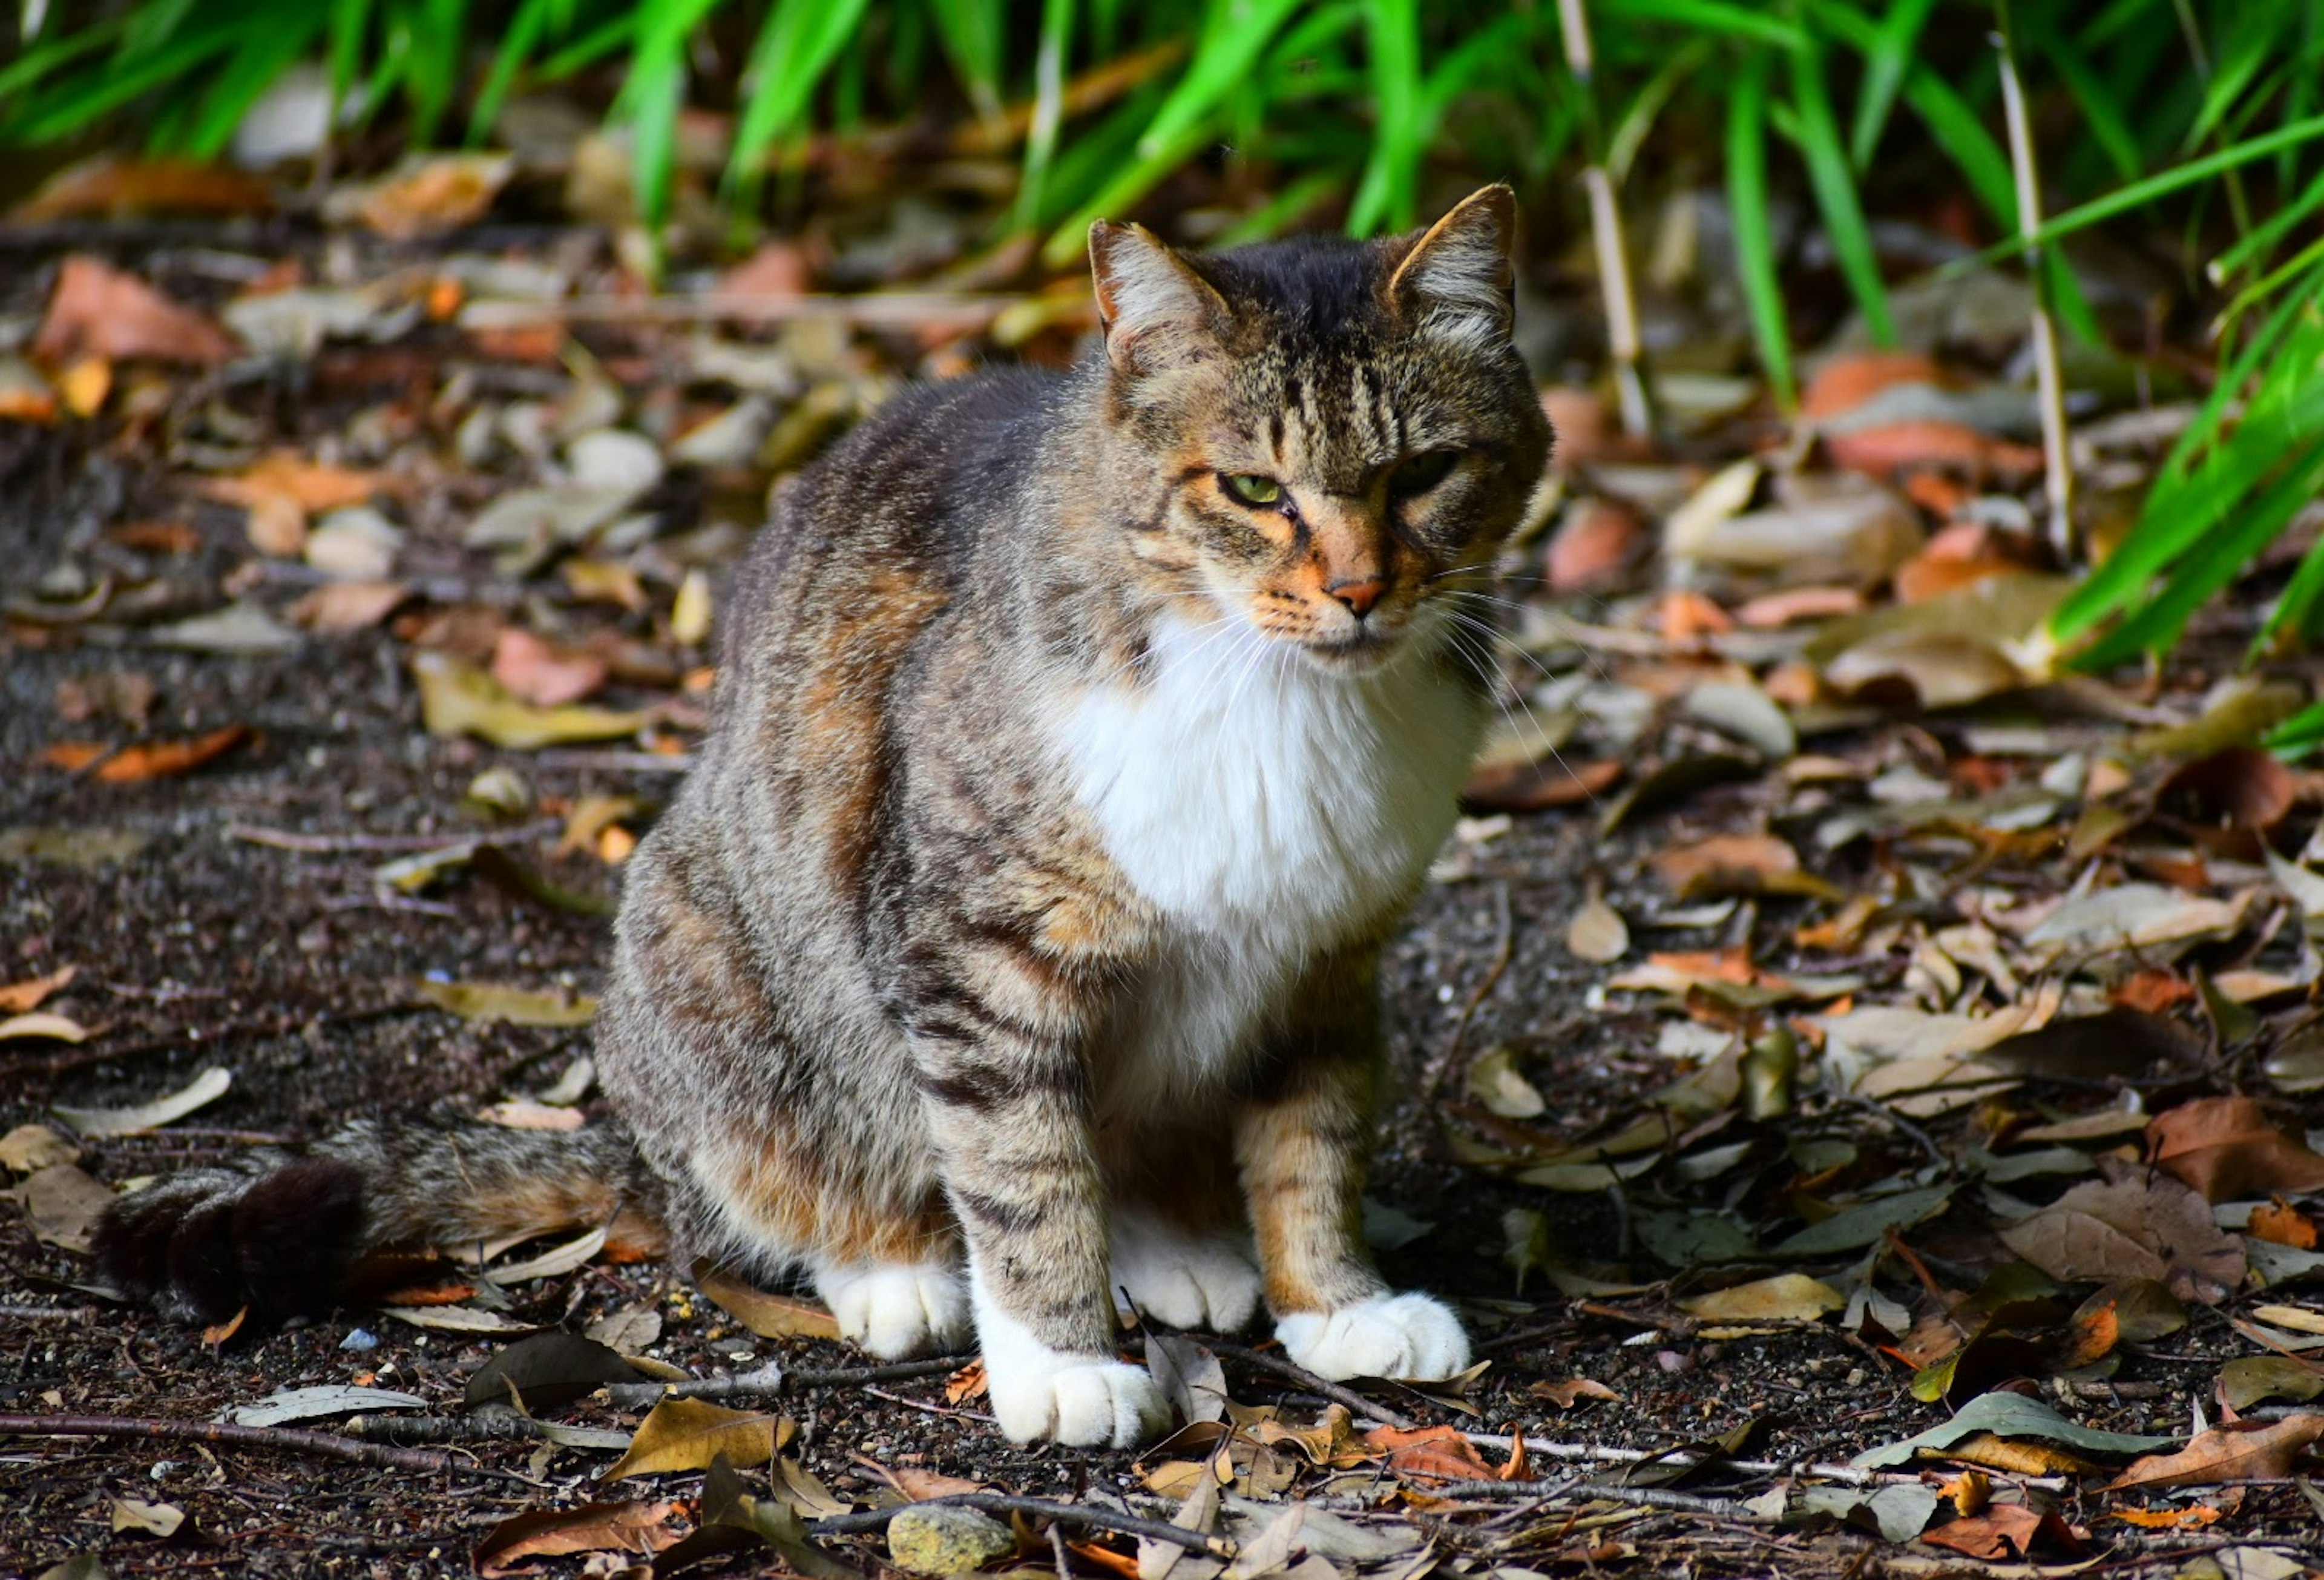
{"points": [[898, 1310], [1090, 1402], [1387, 1335], [1186, 1280]]}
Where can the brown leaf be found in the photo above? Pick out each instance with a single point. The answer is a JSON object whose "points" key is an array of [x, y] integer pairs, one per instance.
{"points": [[1724, 863], [2132, 1229], [114, 185], [63, 1203], [31, 994], [152, 760], [640, 1528], [1884, 448], [2226, 1147], [966, 1384], [2281, 1223], [541, 674], [2234, 1452], [767, 1316], [2004, 1530], [1431, 1453], [428, 194], [218, 1332], [340, 607], [2194, 1519], [1845, 381], [1598, 539], [1534, 787], [2241, 786], [97, 310], [1570, 1393], [778, 271]]}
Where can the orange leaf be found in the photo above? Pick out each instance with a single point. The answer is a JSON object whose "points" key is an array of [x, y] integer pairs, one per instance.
{"points": [[111, 185], [286, 475], [17, 997], [640, 1527], [153, 759], [1597, 542], [1432, 1453], [541, 674], [1532, 787], [1122, 1564], [2004, 1530], [1847, 381], [2279, 1222], [96, 310], [2195, 1518], [2226, 1147]]}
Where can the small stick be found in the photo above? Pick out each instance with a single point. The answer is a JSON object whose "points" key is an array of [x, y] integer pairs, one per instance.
{"points": [[48, 1313], [771, 1379], [1218, 1547], [1575, 1487], [872, 310], [333, 843], [493, 1428], [1588, 1453], [2058, 472], [1291, 1370], [286, 1438]]}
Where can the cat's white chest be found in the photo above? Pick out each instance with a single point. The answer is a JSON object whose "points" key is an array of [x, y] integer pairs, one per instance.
{"points": [[1268, 810]]}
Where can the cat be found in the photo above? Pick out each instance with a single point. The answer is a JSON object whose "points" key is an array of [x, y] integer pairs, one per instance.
{"points": [[1078, 739]]}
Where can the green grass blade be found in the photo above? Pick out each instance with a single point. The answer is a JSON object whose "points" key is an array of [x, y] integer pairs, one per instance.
{"points": [[970, 31], [793, 51], [1050, 56], [1755, 230], [1712, 18], [1834, 184], [1888, 56], [1388, 195], [1235, 33]]}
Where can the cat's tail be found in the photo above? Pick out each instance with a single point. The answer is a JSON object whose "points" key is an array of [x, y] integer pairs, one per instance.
{"points": [[278, 1232]]}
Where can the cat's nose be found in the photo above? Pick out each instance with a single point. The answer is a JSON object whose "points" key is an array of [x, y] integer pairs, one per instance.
{"points": [[1358, 596]]}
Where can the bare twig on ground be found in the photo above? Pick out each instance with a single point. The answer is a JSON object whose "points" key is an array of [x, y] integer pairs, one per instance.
{"points": [[491, 1429], [286, 1439], [333, 843], [893, 310], [1291, 1370], [772, 1378], [1081, 1514], [1573, 1489], [1590, 1453]]}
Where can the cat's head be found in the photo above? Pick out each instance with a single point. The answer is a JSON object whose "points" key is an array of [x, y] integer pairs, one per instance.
{"points": [[1340, 433]]}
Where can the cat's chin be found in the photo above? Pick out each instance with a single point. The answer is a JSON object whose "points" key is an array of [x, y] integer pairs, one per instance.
{"points": [[1353, 657]]}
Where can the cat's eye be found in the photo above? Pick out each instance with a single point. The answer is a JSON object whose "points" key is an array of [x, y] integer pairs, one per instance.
{"points": [[1252, 488], [1421, 472]]}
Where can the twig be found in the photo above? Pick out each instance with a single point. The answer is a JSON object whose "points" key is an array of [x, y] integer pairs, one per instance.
{"points": [[284, 1438], [873, 310], [333, 843], [1291, 1370], [924, 1406], [1622, 339], [1218, 1547], [612, 761], [771, 1379], [491, 1429], [1576, 1488], [1589, 1453], [48, 1313]]}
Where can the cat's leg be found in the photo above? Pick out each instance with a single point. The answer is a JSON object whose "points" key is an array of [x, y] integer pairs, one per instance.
{"points": [[1182, 1250], [1000, 1039], [1302, 1142], [896, 1310]]}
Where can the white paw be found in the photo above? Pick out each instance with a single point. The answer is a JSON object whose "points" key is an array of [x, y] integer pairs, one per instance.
{"points": [[1087, 1400], [896, 1309], [1206, 1281], [1387, 1335]]}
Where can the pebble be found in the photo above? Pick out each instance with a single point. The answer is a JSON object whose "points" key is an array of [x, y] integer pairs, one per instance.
{"points": [[942, 1540]]}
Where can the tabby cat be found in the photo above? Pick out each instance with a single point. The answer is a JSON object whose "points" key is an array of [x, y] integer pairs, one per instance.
{"points": [[1079, 739]]}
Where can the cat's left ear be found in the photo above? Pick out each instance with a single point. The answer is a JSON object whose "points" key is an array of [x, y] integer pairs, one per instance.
{"points": [[1458, 277], [1157, 312]]}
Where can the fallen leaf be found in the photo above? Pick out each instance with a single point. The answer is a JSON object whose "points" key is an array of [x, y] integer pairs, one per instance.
{"points": [[120, 186], [498, 1001], [96, 310], [341, 606], [63, 1203], [2277, 1221], [33, 991], [520, 1113], [30, 1147], [640, 1528], [238, 628], [1725, 864], [455, 700], [767, 1314], [1595, 545], [689, 615], [1567, 1394], [454, 1318], [1597, 933], [1495, 1081], [43, 1023], [150, 760], [153, 1519], [2132, 1229], [1189, 1376], [546, 1371], [2241, 786], [2005, 1415], [2006, 1531], [306, 1404], [966, 1384], [1534, 787], [1430, 1453], [2233, 1452], [688, 1434], [1784, 1298], [2132, 918], [2227, 1148], [427, 194], [2194, 1519], [540, 674], [2251, 1380], [204, 1088]]}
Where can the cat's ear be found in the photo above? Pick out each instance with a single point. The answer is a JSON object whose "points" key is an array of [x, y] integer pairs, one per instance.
{"points": [[1156, 311], [1457, 277]]}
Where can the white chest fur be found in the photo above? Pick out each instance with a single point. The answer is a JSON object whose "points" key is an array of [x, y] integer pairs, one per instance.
{"points": [[1269, 810]]}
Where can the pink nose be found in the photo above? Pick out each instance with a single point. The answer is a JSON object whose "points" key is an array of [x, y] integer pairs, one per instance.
{"points": [[1358, 596]]}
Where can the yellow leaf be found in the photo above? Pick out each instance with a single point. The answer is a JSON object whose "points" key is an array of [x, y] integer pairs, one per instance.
{"points": [[767, 1316], [497, 1001], [457, 698], [688, 1434]]}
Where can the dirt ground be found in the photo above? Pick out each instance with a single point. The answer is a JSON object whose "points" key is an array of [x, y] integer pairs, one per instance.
{"points": [[201, 944]]}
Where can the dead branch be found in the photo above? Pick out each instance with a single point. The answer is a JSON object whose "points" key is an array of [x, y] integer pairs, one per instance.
{"points": [[1292, 1372], [284, 1439], [771, 1379]]}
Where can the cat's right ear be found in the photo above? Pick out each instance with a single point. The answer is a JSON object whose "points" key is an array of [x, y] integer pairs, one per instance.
{"points": [[1157, 312]]}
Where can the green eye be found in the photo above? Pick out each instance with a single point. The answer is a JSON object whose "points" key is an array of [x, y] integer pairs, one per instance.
{"points": [[1422, 472], [1253, 489]]}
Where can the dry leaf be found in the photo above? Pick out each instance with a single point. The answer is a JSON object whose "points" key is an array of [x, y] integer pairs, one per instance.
{"points": [[688, 1434], [118, 186], [2227, 1148], [153, 1519], [541, 674], [340, 607], [2006, 1531], [1725, 864], [1430, 1453], [1570, 1393], [519, 1113], [1534, 787], [1784, 1298], [1597, 933], [30, 1147], [204, 1088], [2132, 1229], [457, 700], [2235, 1451], [642, 1529], [2280, 1222], [428, 194], [491, 1002], [63, 1203], [966, 1384], [1595, 544], [32, 992], [767, 1316], [97, 310], [152, 760], [43, 1023]]}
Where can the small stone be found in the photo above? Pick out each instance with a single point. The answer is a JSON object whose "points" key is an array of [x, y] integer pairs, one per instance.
{"points": [[937, 1539]]}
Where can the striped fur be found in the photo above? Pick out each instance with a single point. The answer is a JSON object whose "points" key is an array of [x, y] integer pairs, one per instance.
{"points": [[1014, 939]]}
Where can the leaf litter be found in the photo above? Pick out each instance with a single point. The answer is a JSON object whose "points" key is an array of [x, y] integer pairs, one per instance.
{"points": [[1919, 1029]]}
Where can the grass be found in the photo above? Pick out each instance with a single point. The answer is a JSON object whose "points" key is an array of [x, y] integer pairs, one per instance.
{"points": [[2202, 119]]}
